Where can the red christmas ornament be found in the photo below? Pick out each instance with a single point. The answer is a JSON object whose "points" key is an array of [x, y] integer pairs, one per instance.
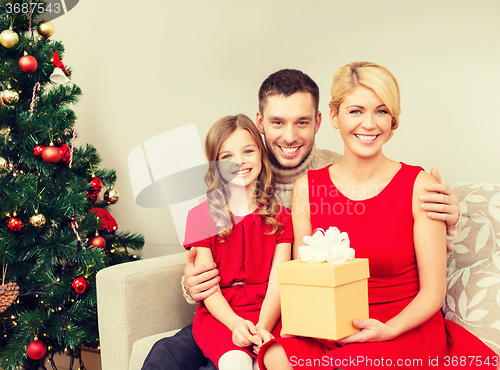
{"points": [[97, 242], [79, 285], [37, 151], [95, 185], [15, 225], [36, 349], [28, 64], [65, 153], [92, 196], [107, 221], [51, 154]]}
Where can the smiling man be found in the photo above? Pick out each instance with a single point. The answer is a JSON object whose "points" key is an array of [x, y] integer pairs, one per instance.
{"points": [[289, 127], [289, 119]]}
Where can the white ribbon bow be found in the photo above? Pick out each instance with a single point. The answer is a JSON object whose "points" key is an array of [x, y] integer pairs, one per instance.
{"points": [[331, 246]]}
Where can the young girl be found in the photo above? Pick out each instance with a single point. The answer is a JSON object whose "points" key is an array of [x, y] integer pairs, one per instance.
{"points": [[243, 229], [376, 201]]}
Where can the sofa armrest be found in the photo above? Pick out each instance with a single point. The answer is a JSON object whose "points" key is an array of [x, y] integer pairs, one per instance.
{"points": [[138, 299]]}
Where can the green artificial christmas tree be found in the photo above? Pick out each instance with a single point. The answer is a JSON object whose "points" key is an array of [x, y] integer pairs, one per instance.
{"points": [[55, 232]]}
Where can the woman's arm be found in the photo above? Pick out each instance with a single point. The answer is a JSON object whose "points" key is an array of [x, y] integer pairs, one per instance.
{"points": [[222, 311], [429, 238], [430, 249], [271, 307], [301, 218]]}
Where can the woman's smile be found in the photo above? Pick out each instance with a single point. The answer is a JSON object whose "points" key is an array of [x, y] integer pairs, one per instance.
{"points": [[366, 139]]}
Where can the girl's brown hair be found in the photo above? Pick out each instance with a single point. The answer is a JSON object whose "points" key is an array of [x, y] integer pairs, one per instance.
{"points": [[217, 193]]}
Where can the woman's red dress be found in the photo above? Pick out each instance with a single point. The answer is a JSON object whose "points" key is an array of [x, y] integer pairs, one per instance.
{"points": [[381, 229]]}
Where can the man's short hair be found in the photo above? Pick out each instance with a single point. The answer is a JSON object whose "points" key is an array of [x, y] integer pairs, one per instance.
{"points": [[287, 82]]}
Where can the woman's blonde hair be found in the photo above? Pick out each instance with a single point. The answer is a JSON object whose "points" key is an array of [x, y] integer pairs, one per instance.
{"points": [[372, 76], [217, 193]]}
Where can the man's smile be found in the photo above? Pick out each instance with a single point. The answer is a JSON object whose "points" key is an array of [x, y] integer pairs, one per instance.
{"points": [[289, 151]]}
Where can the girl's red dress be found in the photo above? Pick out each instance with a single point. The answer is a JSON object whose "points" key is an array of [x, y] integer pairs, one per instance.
{"points": [[381, 229], [244, 263]]}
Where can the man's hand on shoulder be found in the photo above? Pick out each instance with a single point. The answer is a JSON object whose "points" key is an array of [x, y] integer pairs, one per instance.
{"points": [[442, 203], [200, 281]]}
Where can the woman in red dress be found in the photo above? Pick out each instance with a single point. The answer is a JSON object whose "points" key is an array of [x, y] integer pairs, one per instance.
{"points": [[243, 229], [376, 201]]}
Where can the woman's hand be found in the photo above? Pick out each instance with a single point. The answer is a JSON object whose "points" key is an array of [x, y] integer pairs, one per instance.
{"points": [[245, 334], [371, 331]]}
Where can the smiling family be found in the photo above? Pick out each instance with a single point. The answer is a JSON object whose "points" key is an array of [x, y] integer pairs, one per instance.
{"points": [[236, 242]]}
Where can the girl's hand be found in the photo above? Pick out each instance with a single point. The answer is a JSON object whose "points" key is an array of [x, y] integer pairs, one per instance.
{"points": [[371, 331], [245, 334], [263, 336]]}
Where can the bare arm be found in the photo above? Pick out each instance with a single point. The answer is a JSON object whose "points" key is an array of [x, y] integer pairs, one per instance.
{"points": [[430, 250], [271, 307], [222, 311], [301, 218]]}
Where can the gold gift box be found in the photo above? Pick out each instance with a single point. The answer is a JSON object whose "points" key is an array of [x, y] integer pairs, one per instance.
{"points": [[321, 300]]}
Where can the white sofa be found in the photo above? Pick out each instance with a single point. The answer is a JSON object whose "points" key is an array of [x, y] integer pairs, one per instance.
{"points": [[141, 302], [138, 303]]}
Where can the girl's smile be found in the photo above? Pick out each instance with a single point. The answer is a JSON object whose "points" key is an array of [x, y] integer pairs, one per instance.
{"points": [[242, 172], [239, 158]]}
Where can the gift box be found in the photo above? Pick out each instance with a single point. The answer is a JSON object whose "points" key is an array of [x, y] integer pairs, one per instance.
{"points": [[321, 299]]}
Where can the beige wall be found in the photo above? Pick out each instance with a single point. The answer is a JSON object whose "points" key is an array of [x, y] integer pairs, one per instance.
{"points": [[147, 67]]}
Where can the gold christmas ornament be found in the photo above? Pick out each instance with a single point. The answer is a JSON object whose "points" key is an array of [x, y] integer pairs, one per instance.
{"points": [[9, 38], [111, 196], [10, 97], [38, 220], [45, 29], [3, 163]]}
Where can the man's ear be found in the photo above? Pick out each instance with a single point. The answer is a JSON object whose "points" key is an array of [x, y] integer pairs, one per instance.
{"points": [[318, 122], [259, 122], [334, 119]]}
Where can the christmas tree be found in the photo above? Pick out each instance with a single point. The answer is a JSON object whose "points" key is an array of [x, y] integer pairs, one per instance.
{"points": [[55, 231]]}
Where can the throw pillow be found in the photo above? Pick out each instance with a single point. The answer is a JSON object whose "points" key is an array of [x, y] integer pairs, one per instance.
{"points": [[473, 295]]}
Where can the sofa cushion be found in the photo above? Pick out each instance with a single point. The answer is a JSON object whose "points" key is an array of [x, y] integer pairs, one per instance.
{"points": [[473, 296], [141, 348]]}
